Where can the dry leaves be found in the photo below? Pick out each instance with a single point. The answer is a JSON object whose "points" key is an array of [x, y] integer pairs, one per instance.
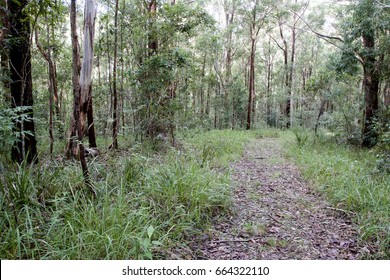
{"points": [[277, 215]]}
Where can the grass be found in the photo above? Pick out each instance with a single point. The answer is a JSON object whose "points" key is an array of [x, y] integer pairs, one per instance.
{"points": [[219, 147], [350, 179], [147, 203], [150, 203]]}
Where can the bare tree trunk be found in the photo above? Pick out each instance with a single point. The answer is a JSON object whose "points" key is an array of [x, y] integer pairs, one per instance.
{"points": [[291, 75], [371, 89], [114, 144], [251, 96], [387, 95], [122, 91], [72, 148], [109, 96], [269, 66], [320, 113], [4, 30], [229, 57], [202, 107], [86, 72], [91, 123], [21, 86], [78, 130]]}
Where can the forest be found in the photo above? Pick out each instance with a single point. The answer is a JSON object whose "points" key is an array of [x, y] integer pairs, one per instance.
{"points": [[210, 129]]}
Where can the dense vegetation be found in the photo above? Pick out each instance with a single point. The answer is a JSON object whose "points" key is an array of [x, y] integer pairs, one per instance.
{"points": [[154, 99]]}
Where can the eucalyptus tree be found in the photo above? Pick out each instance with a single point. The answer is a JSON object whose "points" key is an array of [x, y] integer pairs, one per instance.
{"points": [[82, 85], [255, 14]]}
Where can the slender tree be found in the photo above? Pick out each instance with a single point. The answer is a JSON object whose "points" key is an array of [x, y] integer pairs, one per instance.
{"points": [[114, 83], [255, 18]]}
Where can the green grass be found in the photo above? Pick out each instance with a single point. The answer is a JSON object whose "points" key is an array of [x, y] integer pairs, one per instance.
{"points": [[146, 203], [350, 179], [218, 148], [149, 203]]}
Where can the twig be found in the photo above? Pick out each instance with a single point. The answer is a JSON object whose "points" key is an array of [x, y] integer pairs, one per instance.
{"points": [[341, 210], [279, 222], [233, 240]]}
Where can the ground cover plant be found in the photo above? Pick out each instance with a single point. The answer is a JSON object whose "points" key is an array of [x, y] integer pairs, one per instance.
{"points": [[146, 205]]}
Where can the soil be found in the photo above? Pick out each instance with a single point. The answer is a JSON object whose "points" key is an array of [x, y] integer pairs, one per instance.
{"points": [[276, 214]]}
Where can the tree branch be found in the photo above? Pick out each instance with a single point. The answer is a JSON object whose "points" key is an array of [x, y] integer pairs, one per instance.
{"points": [[317, 33]]}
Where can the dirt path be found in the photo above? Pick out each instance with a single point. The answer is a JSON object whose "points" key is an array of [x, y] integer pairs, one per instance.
{"points": [[276, 215]]}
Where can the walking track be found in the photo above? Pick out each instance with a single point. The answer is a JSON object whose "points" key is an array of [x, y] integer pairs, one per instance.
{"points": [[276, 214]]}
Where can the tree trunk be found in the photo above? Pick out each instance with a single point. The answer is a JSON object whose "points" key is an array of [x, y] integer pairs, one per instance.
{"points": [[86, 72], [269, 66], [291, 74], [114, 144], [91, 124], [21, 86], [251, 101], [320, 113], [386, 100], [72, 149], [77, 146], [229, 57], [4, 30], [371, 88]]}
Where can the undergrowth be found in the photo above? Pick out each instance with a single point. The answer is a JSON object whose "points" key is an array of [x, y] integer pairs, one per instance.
{"points": [[146, 206], [351, 180]]}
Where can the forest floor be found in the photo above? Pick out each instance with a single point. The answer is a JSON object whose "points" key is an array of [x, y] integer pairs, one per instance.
{"points": [[276, 214]]}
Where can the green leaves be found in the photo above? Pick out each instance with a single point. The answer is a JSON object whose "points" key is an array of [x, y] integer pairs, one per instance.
{"points": [[9, 118]]}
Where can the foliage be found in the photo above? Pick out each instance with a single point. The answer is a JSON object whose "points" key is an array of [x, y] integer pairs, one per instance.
{"points": [[382, 149], [9, 118]]}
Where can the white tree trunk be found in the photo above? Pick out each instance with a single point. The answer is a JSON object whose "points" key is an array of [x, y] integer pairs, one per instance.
{"points": [[89, 33]]}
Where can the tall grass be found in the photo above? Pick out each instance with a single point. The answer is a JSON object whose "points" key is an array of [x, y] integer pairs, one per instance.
{"points": [[350, 179], [146, 203]]}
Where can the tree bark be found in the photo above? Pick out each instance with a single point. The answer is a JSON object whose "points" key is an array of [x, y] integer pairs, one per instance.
{"points": [[76, 145], [21, 81], [4, 52], [371, 88], [386, 100], [229, 57], [251, 97], [291, 74], [72, 149], [86, 72], [115, 122]]}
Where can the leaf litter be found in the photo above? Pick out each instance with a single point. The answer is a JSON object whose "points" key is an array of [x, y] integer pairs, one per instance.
{"points": [[276, 215]]}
